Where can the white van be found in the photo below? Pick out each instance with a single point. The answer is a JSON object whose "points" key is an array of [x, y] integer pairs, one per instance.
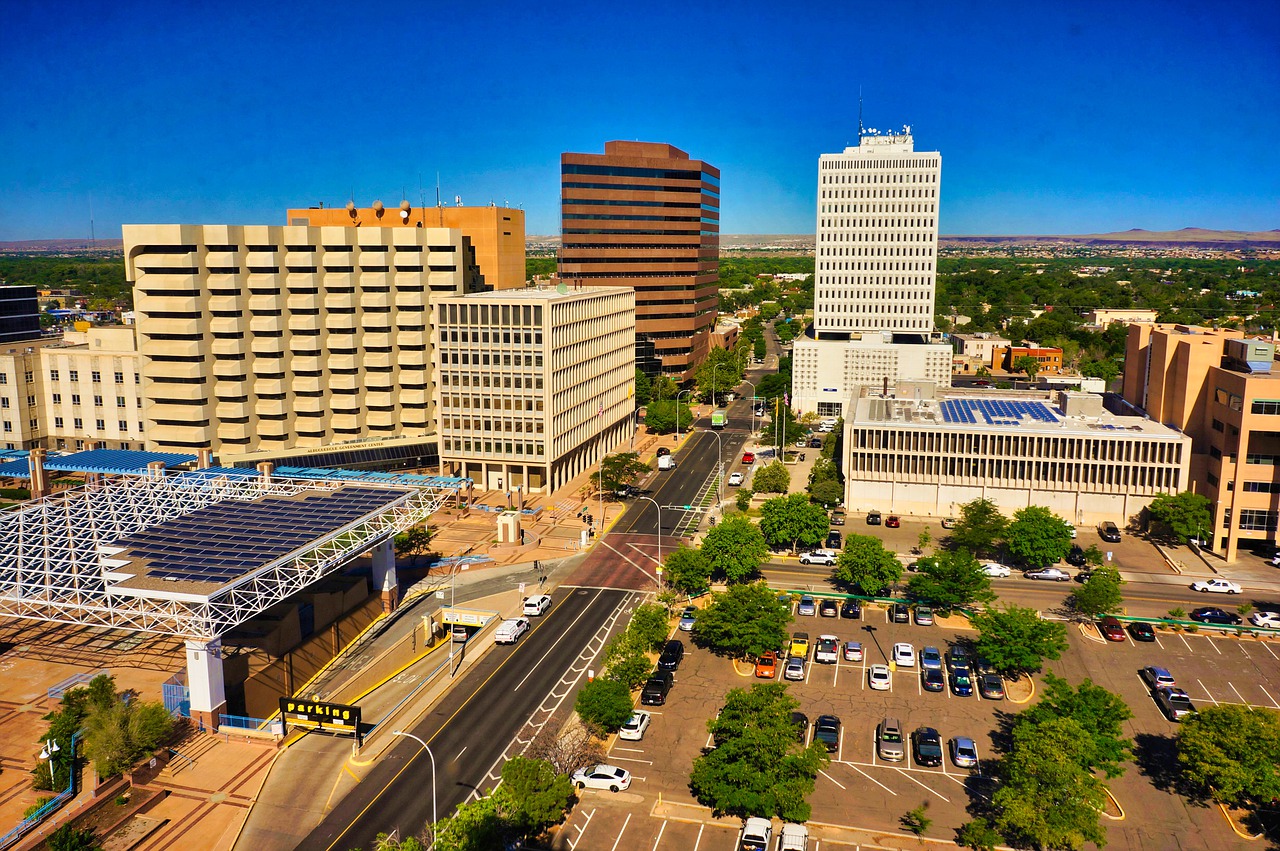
{"points": [[509, 632], [534, 606], [666, 462]]}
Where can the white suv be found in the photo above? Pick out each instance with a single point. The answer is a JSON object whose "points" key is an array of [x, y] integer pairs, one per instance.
{"points": [[534, 606], [827, 557]]}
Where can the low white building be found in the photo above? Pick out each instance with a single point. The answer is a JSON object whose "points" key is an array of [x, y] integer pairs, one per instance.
{"points": [[825, 372]]}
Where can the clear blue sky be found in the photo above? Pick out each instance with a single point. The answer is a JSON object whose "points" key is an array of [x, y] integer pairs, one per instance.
{"points": [[1069, 117]]}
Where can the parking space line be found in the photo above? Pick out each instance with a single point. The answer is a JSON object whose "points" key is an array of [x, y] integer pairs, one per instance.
{"points": [[1159, 643], [659, 836], [923, 786], [633, 759], [1206, 691], [1238, 694], [832, 779], [1214, 645], [1266, 645], [698, 841], [1184, 641], [630, 750], [573, 843], [620, 832], [1245, 652], [840, 746], [1269, 697], [872, 779]]}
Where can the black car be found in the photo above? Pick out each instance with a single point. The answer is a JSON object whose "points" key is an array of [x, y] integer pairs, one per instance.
{"points": [[900, 613], [655, 690], [873, 518], [815, 443], [1211, 614], [801, 722], [834, 540], [828, 608], [1109, 532], [932, 679], [827, 730], [926, 746], [1141, 632], [958, 657], [1075, 558], [672, 653], [961, 682], [851, 610], [628, 491], [662, 450]]}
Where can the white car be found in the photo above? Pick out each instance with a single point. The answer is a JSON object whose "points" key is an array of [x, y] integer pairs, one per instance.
{"points": [[997, 570], [735, 480], [534, 606], [794, 669], [827, 557], [879, 678], [1270, 620], [509, 631], [633, 730], [904, 654], [1217, 586], [602, 777]]}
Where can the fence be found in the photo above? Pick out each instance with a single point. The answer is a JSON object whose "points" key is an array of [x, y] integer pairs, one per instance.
{"points": [[48, 807], [57, 690]]}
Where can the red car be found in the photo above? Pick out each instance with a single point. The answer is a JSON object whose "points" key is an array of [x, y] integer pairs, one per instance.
{"points": [[748, 458], [892, 521], [1111, 629], [767, 665]]}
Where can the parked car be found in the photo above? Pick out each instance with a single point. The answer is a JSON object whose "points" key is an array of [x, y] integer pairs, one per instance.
{"points": [[926, 746], [1141, 632], [828, 608], [851, 609], [827, 650], [900, 613], [602, 776], [626, 491], [801, 722], [735, 480], [509, 632], [815, 443], [879, 678], [924, 616], [827, 557], [998, 571], [654, 692], [826, 729], [1215, 586], [794, 669], [806, 606], [931, 657], [892, 522], [793, 837], [1111, 629], [767, 665], [1051, 574], [958, 657], [889, 742], [835, 540], [948, 523], [1214, 615], [633, 730], [932, 679], [991, 686], [672, 654], [837, 517], [756, 835], [853, 651], [873, 518], [799, 645], [964, 753], [748, 458], [1270, 620], [1158, 677], [534, 606], [1109, 532], [1174, 703], [962, 682], [1075, 557], [687, 618], [904, 655]]}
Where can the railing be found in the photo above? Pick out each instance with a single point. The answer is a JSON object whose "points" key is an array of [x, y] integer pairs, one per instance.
{"points": [[50, 806], [241, 722], [57, 690]]}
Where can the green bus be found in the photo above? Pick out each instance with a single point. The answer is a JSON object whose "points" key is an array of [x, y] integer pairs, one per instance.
{"points": [[718, 418]]}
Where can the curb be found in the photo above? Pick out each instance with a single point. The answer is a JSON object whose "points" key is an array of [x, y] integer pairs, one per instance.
{"points": [[1026, 699], [1105, 814], [1238, 832], [1091, 634]]}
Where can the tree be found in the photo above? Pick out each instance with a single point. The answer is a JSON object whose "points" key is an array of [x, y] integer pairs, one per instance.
{"points": [[644, 388], [981, 524], [1037, 537], [743, 498], [1047, 798], [533, 796], [735, 549], [924, 539], [1027, 364], [772, 478], [568, 750], [474, 826], [1181, 516], [866, 563], [619, 470], [759, 349], [723, 367], [950, 580], [650, 625], [1106, 369], [978, 834], [687, 569], [917, 820], [1100, 593], [605, 703], [388, 842], [117, 732], [793, 520], [1015, 639], [827, 492], [69, 838], [1100, 713], [413, 542], [660, 417], [744, 621], [1232, 753], [757, 767]]}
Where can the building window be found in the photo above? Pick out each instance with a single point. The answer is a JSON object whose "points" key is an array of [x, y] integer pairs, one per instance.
{"points": [[53, 375], [4, 403], [57, 422], [97, 400], [119, 378], [124, 424], [96, 376], [8, 426], [1217, 424], [1262, 487], [1251, 458], [4, 378], [1258, 520], [101, 424], [73, 374], [77, 423], [1265, 406], [120, 401]]}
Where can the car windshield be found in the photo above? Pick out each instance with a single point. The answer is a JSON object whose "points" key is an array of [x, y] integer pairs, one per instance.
{"points": [[929, 748], [891, 736]]}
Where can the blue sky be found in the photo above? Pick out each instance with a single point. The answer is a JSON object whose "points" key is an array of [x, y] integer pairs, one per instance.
{"points": [[1070, 117]]}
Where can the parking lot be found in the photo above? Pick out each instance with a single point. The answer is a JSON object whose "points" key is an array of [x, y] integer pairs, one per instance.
{"points": [[858, 797]]}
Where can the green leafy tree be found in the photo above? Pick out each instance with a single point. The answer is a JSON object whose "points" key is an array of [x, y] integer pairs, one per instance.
{"points": [[950, 580], [604, 702], [1232, 753], [924, 539], [866, 563], [978, 834], [1182, 516], [980, 525], [1093, 556], [1106, 369], [757, 767], [1100, 713], [474, 826], [631, 669], [389, 842], [650, 625], [533, 796], [70, 838], [743, 622], [724, 368], [644, 388], [413, 543], [827, 492], [917, 820], [117, 734], [660, 417], [735, 548], [618, 470], [743, 498], [663, 387], [1047, 798], [1037, 537], [1027, 364], [1016, 640], [1100, 593], [793, 520], [772, 478], [687, 569]]}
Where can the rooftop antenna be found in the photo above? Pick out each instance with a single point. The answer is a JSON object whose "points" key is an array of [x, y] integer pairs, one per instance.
{"points": [[861, 130], [93, 241]]}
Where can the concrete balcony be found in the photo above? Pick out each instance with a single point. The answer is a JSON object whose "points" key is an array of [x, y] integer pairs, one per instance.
{"points": [[190, 349], [170, 303], [310, 405], [233, 410], [345, 382], [178, 413], [230, 348], [266, 303], [168, 435], [226, 303], [186, 392], [231, 387], [345, 421], [381, 418], [308, 384], [267, 345], [267, 324], [271, 407], [334, 301], [270, 386], [172, 326]]}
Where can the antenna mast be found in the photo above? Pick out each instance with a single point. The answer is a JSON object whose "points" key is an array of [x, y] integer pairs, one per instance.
{"points": [[860, 128]]}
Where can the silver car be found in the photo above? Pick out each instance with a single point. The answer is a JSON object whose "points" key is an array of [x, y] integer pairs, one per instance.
{"points": [[889, 741], [964, 753]]}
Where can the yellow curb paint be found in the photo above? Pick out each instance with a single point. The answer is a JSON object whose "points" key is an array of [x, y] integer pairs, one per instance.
{"points": [[347, 769], [1238, 832], [1117, 804], [1026, 699], [1092, 634], [750, 670]]}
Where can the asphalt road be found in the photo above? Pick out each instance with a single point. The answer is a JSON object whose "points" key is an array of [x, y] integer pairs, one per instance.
{"points": [[468, 731]]}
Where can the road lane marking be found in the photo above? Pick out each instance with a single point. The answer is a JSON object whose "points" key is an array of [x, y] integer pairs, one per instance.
{"points": [[1206, 691], [832, 779], [620, 832], [461, 752], [563, 633], [872, 779], [659, 836], [923, 786]]}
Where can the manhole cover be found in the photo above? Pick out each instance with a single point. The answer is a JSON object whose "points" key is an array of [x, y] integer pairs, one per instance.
{"points": [[583, 591]]}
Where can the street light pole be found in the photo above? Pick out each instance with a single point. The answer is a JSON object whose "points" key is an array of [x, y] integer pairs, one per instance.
{"points": [[753, 405], [720, 464], [678, 395], [433, 779], [659, 507]]}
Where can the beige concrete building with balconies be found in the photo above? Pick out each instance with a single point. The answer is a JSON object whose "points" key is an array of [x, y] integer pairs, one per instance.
{"points": [[260, 338], [535, 385]]}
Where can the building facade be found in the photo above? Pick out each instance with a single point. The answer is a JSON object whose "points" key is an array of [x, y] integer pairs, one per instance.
{"points": [[22, 421], [496, 234], [1127, 315], [1048, 358], [535, 385], [823, 372], [19, 314], [91, 394], [912, 454], [646, 216], [260, 338]]}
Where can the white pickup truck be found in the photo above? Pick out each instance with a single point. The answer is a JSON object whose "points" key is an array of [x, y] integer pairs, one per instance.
{"points": [[509, 632], [756, 833]]}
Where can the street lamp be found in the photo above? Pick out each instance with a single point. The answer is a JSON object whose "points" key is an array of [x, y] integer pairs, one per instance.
{"points": [[714, 368], [720, 465], [433, 778], [753, 405], [678, 395], [659, 507]]}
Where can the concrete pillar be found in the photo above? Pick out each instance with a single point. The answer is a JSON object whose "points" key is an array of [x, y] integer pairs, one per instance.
{"points": [[266, 468], [204, 458], [384, 574], [204, 681], [39, 478], [155, 470]]}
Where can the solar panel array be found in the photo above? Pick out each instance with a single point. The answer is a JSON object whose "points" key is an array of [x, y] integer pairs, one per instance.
{"points": [[995, 411], [225, 541]]}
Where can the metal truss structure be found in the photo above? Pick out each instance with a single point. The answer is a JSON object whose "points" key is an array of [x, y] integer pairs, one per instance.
{"points": [[51, 552]]}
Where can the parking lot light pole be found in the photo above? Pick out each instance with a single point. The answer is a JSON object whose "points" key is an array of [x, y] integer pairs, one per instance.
{"points": [[433, 779]]}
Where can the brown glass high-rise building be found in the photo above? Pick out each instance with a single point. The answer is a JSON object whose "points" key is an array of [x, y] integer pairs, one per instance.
{"points": [[644, 215]]}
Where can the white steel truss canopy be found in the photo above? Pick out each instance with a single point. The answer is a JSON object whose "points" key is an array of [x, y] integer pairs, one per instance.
{"points": [[56, 565]]}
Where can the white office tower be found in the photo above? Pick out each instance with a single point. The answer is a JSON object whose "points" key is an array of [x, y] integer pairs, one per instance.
{"points": [[875, 274]]}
